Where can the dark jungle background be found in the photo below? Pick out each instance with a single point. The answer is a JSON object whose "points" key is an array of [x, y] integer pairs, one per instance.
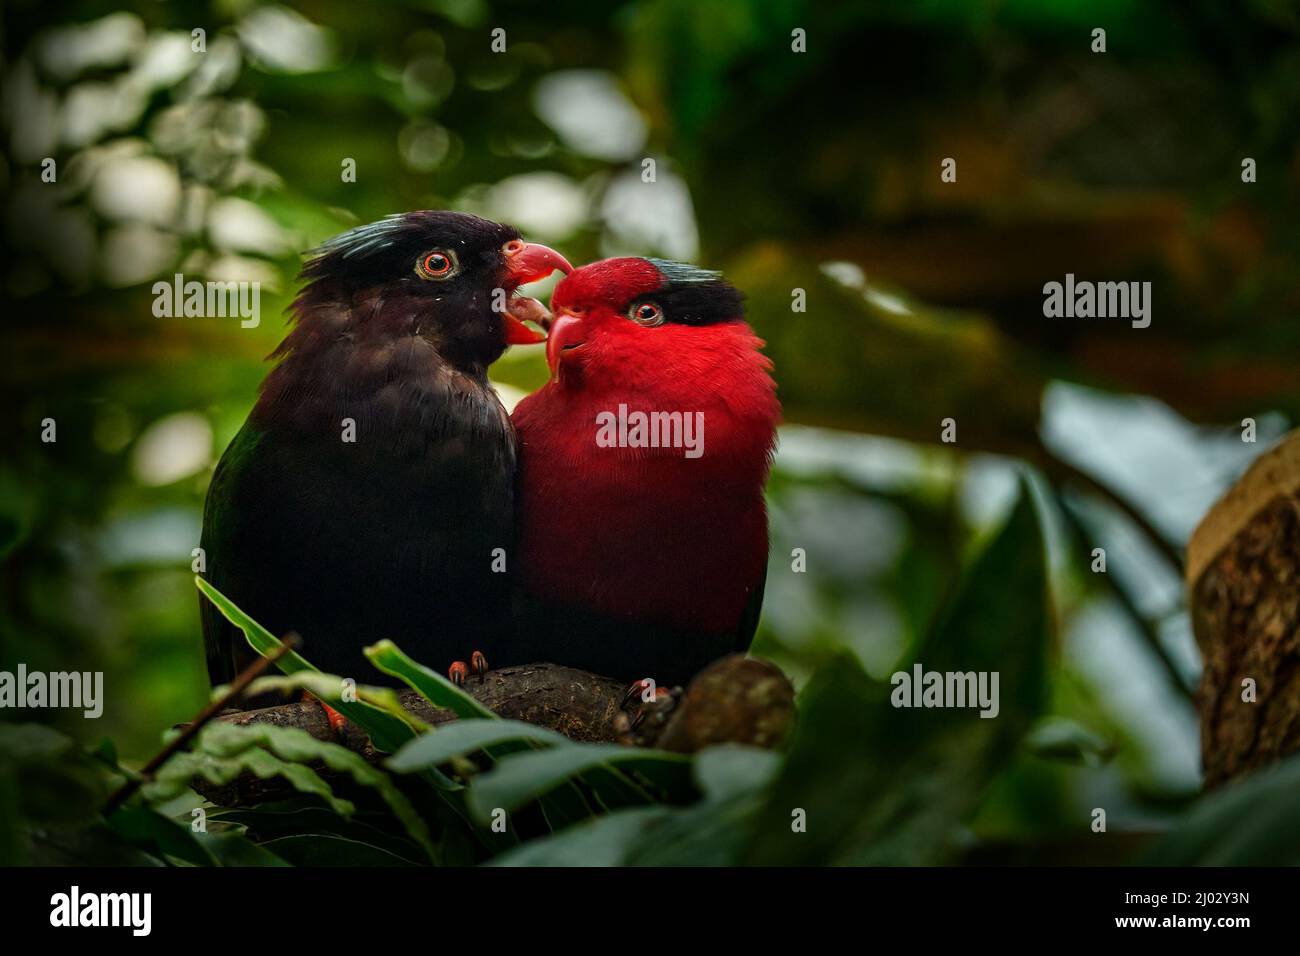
{"points": [[816, 171]]}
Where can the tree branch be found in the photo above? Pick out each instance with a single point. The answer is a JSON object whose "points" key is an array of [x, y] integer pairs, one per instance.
{"points": [[1243, 563], [733, 700]]}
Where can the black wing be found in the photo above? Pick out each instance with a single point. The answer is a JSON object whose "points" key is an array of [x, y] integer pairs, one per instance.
{"points": [[748, 625]]}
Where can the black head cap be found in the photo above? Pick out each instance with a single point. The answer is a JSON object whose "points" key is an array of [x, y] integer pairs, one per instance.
{"points": [[429, 273], [391, 249], [694, 296]]}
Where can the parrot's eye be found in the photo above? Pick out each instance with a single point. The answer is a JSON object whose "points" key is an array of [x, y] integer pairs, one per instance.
{"points": [[439, 264], [647, 314]]}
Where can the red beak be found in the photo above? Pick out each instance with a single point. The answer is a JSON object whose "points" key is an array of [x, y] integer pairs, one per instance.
{"points": [[528, 262], [566, 332]]}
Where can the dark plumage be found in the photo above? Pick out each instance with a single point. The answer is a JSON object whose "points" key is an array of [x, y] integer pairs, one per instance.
{"points": [[391, 535]]}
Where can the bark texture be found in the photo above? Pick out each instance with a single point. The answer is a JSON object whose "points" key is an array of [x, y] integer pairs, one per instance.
{"points": [[1243, 578]]}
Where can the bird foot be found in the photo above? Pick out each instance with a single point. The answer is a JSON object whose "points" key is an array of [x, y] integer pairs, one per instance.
{"points": [[654, 704], [459, 672], [645, 688], [336, 720]]}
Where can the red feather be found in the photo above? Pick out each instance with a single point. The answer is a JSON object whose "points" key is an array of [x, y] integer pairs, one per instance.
{"points": [[647, 534]]}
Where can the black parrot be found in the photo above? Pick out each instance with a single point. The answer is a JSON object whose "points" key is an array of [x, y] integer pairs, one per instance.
{"points": [[367, 492]]}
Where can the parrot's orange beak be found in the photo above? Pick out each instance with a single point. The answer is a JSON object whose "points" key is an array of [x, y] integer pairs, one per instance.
{"points": [[527, 262]]}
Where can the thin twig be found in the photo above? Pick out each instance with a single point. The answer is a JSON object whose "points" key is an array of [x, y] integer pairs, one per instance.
{"points": [[182, 740]]}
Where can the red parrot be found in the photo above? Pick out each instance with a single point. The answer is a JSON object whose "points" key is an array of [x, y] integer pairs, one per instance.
{"points": [[643, 529]]}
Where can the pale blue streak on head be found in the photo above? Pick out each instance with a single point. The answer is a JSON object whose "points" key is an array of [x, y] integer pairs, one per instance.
{"points": [[683, 273], [364, 240]]}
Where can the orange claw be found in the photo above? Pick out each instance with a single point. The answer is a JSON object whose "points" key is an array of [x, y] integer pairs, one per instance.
{"points": [[458, 672], [636, 689], [478, 664], [336, 720]]}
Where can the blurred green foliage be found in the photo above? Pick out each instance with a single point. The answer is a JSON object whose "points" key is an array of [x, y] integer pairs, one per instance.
{"points": [[863, 782], [816, 171]]}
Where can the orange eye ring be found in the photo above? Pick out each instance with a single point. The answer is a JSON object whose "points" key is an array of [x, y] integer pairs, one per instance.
{"points": [[648, 314], [439, 264]]}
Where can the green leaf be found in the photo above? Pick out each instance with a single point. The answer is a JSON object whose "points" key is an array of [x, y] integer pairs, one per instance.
{"points": [[710, 833], [298, 746], [522, 777], [435, 688], [327, 849], [728, 770], [93, 845], [878, 784], [604, 841], [386, 731], [262, 640], [144, 827], [1254, 821], [461, 737], [330, 689], [1058, 738], [289, 818], [713, 832], [231, 848], [561, 807], [731, 777], [175, 776], [55, 780]]}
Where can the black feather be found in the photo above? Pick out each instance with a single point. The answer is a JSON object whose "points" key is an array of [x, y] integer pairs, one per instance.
{"points": [[694, 296], [390, 535]]}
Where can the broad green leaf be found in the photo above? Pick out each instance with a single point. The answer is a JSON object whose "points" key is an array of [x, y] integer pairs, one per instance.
{"points": [[93, 845], [711, 832], [55, 780], [292, 744], [435, 688], [386, 731], [175, 776], [1254, 821], [144, 827], [612, 790], [727, 770], [328, 849], [522, 777], [561, 807], [461, 737], [268, 821], [604, 841], [231, 848]]}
